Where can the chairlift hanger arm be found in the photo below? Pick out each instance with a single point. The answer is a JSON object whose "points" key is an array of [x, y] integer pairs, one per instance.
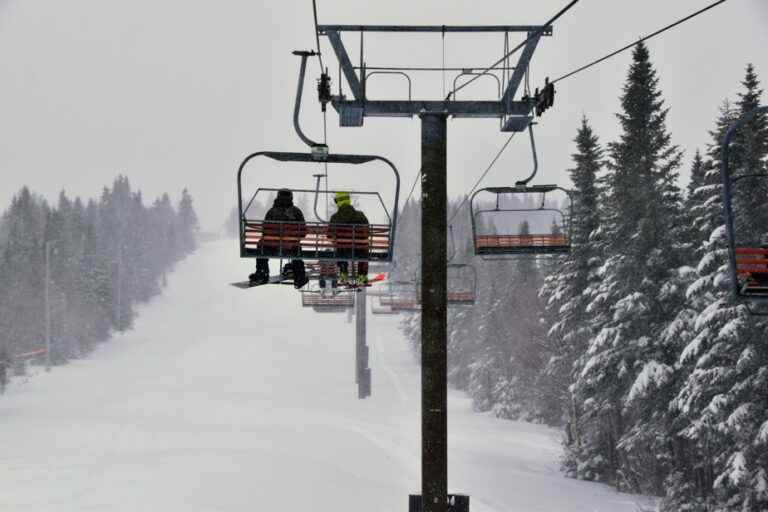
{"points": [[524, 182], [318, 177], [299, 91]]}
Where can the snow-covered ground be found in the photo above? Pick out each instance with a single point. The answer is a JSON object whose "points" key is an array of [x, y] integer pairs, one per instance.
{"points": [[228, 400]]}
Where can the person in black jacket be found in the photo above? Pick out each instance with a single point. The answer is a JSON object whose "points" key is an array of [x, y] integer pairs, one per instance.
{"points": [[284, 228], [349, 230]]}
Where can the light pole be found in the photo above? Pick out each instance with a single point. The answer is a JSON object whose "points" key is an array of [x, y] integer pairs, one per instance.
{"points": [[48, 306]]}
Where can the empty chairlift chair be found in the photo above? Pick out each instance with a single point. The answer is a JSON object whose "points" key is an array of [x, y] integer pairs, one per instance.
{"points": [[462, 284], [322, 302], [531, 225], [378, 308], [745, 223], [401, 296]]}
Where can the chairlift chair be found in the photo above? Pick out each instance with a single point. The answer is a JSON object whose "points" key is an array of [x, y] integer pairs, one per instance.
{"points": [[315, 240], [495, 245], [377, 308], [401, 296], [322, 301], [747, 251], [462, 277], [515, 243], [462, 284]]}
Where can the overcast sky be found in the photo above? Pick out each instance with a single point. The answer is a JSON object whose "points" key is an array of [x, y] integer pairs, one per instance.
{"points": [[174, 93]]}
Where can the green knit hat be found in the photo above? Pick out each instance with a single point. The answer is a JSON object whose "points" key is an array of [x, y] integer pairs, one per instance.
{"points": [[342, 198]]}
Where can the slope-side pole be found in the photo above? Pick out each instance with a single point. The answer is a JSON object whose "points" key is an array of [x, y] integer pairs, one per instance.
{"points": [[47, 306], [434, 351], [358, 337], [361, 347]]}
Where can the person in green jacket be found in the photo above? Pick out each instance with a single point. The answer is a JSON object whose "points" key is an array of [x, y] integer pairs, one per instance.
{"points": [[350, 240]]}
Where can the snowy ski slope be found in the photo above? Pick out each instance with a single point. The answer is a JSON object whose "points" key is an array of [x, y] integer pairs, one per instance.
{"points": [[228, 400]]}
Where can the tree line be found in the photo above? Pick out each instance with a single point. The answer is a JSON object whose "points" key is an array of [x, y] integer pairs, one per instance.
{"points": [[633, 344], [106, 256]]}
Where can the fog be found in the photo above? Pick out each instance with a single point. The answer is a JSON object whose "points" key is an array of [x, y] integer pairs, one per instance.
{"points": [[175, 93]]}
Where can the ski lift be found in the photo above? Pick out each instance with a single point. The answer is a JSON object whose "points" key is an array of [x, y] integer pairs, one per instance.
{"points": [[747, 247], [377, 308], [316, 240], [548, 224], [462, 278], [323, 301], [401, 296], [462, 284]]}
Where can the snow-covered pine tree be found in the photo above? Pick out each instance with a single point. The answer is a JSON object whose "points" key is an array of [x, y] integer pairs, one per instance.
{"points": [[689, 484], [566, 299], [188, 224], [22, 269], [723, 397], [624, 382]]}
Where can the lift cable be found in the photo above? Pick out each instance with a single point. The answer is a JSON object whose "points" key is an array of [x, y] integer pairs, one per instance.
{"points": [[480, 179], [518, 47], [317, 37], [654, 34], [627, 47], [413, 187]]}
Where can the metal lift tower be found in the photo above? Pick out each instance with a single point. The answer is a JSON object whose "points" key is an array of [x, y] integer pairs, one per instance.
{"points": [[515, 116]]}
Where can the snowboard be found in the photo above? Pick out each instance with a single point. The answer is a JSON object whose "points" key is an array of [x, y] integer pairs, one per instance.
{"points": [[244, 285]]}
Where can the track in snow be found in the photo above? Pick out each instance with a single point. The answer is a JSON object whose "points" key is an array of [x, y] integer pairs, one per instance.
{"points": [[228, 400]]}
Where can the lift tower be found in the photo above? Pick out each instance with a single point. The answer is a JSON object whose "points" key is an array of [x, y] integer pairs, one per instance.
{"points": [[515, 116]]}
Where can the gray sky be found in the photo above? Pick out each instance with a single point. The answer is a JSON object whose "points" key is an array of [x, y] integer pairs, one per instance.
{"points": [[175, 93]]}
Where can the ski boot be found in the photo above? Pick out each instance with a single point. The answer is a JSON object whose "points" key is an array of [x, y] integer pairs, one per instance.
{"points": [[258, 278], [300, 280]]}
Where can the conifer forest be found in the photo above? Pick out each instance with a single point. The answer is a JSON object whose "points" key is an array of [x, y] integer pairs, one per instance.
{"points": [[633, 345], [106, 256]]}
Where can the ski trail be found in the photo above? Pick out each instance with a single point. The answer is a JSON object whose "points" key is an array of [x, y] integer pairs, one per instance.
{"points": [[228, 400]]}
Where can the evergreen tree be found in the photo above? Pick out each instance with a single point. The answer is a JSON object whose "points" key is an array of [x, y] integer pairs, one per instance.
{"points": [[188, 224], [566, 299], [623, 380], [720, 404], [106, 256]]}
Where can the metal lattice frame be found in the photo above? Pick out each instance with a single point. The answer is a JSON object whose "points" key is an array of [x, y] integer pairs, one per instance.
{"points": [[516, 115]]}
